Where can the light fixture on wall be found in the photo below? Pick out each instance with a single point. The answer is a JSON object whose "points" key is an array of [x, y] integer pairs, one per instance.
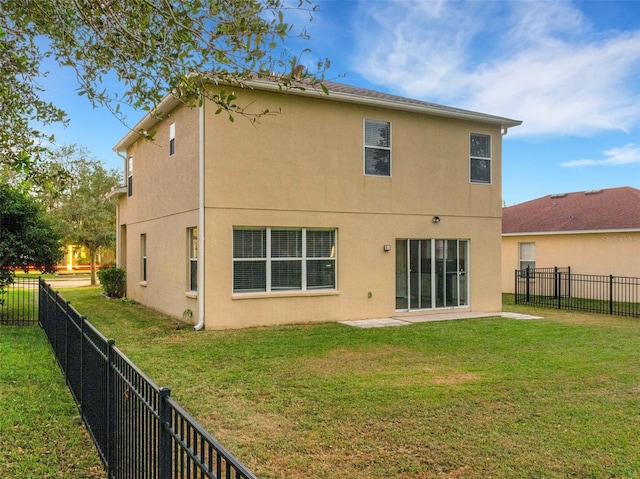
{"points": [[387, 247], [436, 219]]}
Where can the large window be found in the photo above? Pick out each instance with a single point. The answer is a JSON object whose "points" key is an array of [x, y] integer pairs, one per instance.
{"points": [[270, 259], [480, 158], [192, 238], [377, 148]]}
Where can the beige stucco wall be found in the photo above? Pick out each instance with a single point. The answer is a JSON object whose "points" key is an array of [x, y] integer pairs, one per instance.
{"points": [[304, 168], [163, 205], [616, 253], [363, 267]]}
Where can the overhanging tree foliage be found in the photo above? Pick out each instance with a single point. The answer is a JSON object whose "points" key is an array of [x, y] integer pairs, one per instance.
{"points": [[86, 215], [147, 47], [28, 237]]}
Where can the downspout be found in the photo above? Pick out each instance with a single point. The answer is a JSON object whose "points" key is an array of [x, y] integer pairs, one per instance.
{"points": [[201, 223], [118, 238]]}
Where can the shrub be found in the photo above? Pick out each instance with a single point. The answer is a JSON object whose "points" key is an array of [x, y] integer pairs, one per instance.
{"points": [[112, 280]]}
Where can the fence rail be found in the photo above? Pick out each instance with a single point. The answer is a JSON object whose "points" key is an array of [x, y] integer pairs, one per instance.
{"points": [[560, 288], [19, 302], [140, 432]]}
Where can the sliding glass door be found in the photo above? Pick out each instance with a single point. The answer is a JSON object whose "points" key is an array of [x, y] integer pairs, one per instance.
{"points": [[431, 273]]}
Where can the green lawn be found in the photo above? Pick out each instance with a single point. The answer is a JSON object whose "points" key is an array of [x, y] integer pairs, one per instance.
{"points": [[494, 397], [41, 435]]}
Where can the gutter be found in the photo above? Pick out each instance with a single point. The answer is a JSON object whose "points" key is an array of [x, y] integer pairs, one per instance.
{"points": [[201, 221], [573, 232]]}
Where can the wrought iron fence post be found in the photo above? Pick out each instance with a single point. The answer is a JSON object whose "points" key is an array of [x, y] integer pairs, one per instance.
{"points": [[165, 456], [568, 281], [111, 420], [610, 294], [527, 284], [558, 277]]}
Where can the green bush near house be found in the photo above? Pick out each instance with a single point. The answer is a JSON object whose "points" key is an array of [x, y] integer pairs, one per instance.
{"points": [[113, 280]]}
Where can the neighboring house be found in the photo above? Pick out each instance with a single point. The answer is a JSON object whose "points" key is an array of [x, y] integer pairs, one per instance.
{"points": [[353, 205], [594, 232]]}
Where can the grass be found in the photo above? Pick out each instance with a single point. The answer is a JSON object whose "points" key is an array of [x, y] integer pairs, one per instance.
{"points": [[41, 435], [493, 397]]}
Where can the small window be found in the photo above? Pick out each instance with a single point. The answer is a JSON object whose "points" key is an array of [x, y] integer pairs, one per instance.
{"points": [[172, 139], [143, 257], [480, 158], [130, 176], [377, 148], [192, 234], [527, 252]]}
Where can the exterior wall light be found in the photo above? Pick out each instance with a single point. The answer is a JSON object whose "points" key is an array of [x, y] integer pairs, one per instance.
{"points": [[387, 247], [436, 219]]}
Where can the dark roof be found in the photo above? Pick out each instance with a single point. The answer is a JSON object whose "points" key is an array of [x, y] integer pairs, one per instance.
{"points": [[607, 209], [358, 92], [337, 92]]}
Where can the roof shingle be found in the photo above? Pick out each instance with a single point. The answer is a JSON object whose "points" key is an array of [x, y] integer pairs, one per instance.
{"points": [[607, 209]]}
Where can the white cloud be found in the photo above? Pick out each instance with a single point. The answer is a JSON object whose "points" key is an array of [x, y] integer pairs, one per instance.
{"points": [[624, 155], [540, 62]]}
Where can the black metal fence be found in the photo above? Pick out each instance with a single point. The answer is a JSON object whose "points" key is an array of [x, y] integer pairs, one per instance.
{"points": [[562, 289], [19, 302], [140, 432]]}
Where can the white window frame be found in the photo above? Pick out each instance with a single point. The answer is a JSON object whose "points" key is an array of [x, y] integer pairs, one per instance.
{"points": [[192, 254], [269, 260], [172, 139], [130, 176], [526, 258], [376, 147], [473, 158], [143, 258]]}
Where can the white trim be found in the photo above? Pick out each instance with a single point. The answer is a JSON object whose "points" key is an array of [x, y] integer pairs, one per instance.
{"points": [[201, 221], [576, 232], [386, 148], [482, 158]]}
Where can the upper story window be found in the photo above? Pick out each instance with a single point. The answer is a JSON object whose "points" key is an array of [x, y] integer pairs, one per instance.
{"points": [[172, 139], [130, 176], [480, 158], [377, 148], [270, 260]]}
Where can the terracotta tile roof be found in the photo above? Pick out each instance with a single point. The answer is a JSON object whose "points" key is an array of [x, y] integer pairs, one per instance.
{"points": [[607, 209]]}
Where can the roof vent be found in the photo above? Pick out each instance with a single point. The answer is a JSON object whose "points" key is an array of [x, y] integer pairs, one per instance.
{"points": [[559, 195], [592, 192]]}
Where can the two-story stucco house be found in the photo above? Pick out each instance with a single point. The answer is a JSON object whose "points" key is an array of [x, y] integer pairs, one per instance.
{"points": [[351, 205]]}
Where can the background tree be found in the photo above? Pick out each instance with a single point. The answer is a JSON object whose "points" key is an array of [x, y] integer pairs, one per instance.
{"points": [[151, 48], [28, 237], [86, 215]]}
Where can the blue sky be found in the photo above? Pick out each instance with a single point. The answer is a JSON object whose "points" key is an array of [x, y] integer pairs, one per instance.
{"points": [[569, 70]]}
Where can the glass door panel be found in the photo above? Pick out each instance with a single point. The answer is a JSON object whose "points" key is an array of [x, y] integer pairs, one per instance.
{"points": [[462, 273], [402, 286], [425, 274], [439, 273], [431, 273], [414, 273]]}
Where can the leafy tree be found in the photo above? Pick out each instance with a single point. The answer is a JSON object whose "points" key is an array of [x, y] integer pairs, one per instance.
{"points": [[149, 47], [28, 237], [86, 215]]}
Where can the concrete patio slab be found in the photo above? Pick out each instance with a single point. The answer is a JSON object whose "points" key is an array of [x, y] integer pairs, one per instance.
{"points": [[406, 320], [375, 323]]}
